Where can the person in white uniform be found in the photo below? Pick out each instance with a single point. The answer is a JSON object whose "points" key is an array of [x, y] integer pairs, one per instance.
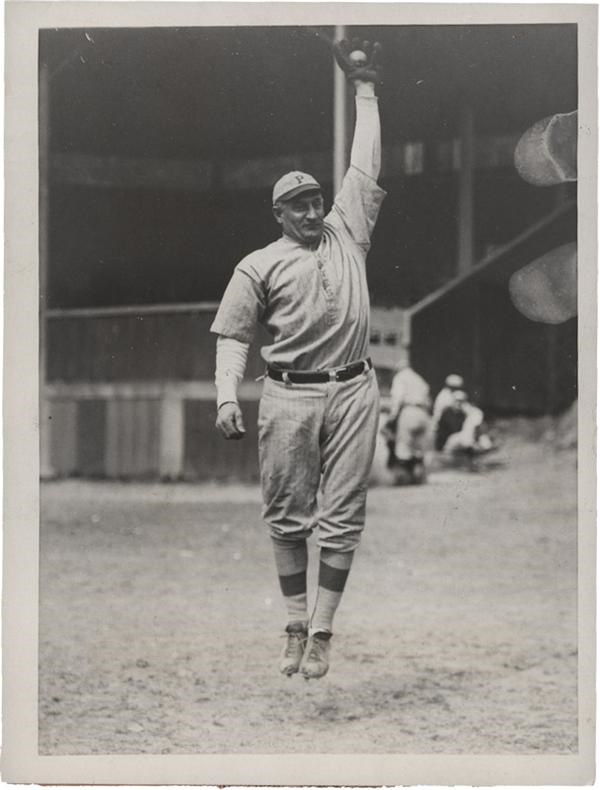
{"points": [[408, 423], [318, 413]]}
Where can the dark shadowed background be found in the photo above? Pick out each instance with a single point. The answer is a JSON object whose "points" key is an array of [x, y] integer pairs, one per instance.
{"points": [[219, 95]]}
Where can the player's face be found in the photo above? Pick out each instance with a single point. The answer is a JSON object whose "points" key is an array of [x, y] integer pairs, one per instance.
{"points": [[301, 218]]}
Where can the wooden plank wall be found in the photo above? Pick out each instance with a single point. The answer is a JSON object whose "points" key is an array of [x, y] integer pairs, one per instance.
{"points": [[531, 368], [130, 395], [207, 456], [91, 446], [511, 365], [132, 438], [62, 436], [130, 346], [142, 438]]}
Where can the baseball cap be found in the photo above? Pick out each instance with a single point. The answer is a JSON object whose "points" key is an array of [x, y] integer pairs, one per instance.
{"points": [[291, 184], [454, 381]]}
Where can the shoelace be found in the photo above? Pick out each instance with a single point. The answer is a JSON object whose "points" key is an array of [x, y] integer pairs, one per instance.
{"points": [[292, 638], [316, 650]]}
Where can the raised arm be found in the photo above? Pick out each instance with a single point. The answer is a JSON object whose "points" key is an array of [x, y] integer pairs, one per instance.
{"points": [[360, 63], [366, 143], [358, 200]]}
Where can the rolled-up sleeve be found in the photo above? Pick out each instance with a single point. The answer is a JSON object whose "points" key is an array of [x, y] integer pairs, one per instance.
{"points": [[241, 308]]}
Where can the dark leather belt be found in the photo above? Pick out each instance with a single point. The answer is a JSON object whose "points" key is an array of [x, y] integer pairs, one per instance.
{"points": [[344, 373]]}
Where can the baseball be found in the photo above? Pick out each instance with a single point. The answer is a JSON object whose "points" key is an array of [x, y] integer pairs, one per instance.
{"points": [[358, 57]]}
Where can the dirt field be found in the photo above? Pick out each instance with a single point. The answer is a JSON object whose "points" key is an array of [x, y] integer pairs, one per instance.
{"points": [[160, 620]]}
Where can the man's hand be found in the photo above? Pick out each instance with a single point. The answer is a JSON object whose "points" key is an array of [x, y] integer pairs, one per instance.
{"points": [[370, 71], [230, 422]]}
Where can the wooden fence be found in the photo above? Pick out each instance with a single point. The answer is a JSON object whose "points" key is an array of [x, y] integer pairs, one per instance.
{"points": [[129, 393]]}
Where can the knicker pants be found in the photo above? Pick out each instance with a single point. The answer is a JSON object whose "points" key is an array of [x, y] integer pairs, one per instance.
{"points": [[316, 444], [411, 433]]}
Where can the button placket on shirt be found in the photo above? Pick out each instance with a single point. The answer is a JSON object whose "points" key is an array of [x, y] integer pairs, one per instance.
{"points": [[330, 299]]}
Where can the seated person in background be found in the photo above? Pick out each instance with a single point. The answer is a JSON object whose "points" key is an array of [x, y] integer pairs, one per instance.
{"points": [[460, 428], [408, 423], [445, 396]]}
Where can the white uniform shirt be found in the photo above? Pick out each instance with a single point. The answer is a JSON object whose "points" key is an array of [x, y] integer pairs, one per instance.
{"points": [[314, 303], [408, 389]]}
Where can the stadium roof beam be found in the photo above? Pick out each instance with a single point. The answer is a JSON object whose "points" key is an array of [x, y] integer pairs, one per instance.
{"points": [[503, 260]]}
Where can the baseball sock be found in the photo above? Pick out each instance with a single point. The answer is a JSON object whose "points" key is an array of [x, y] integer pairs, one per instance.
{"points": [[334, 567], [291, 560]]}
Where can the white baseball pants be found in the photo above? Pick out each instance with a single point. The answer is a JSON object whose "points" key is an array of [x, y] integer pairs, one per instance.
{"points": [[411, 433], [316, 444]]}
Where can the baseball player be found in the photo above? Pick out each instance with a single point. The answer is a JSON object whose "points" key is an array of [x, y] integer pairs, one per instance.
{"points": [[318, 413], [445, 398], [460, 428], [408, 423]]}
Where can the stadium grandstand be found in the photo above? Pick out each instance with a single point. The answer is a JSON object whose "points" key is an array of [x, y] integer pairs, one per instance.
{"points": [[158, 151]]}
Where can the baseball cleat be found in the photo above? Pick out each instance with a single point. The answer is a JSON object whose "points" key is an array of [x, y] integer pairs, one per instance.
{"points": [[293, 650], [315, 661]]}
